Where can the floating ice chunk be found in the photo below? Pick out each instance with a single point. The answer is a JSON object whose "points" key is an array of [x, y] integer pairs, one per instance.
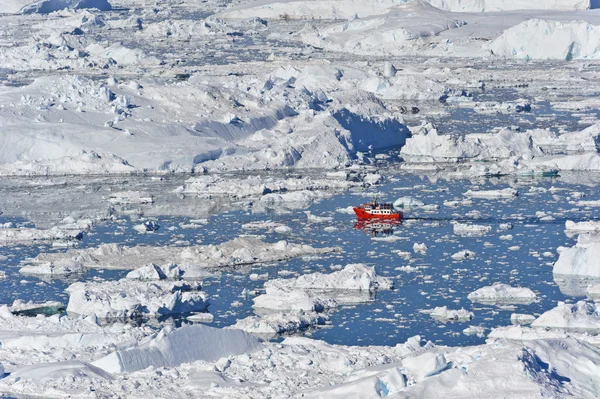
{"points": [[201, 318], [130, 197], [130, 298], [59, 267], [147, 227], [24, 234], [475, 330], [474, 230], [408, 202], [579, 261], [419, 247], [155, 272], [277, 299], [490, 194], [173, 347], [278, 323], [318, 291], [590, 203], [464, 254], [582, 227], [193, 260], [581, 316], [317, 219], [502, 294], [521, 319], [443, 313]]}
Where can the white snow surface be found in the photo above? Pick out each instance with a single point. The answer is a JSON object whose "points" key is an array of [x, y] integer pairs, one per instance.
{"points": [[505, 5], [443, 313]]}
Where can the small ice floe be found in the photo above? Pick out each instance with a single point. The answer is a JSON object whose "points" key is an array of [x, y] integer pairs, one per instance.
{"points": [[408, 203], [201, 318], [499, 293], [475, 330], [60, 267], [590, 203], [130, 197], [580, 316], [317, 219], [458, 203], [471, 230], [582, 227], [464, 254], [419, 248], [148, 226], [317, 291], [129, 298], [445, 314], [279, 323], [256, 276], [262, 225], [349, 210], [521, 319], [24, 235], [492, 194]]}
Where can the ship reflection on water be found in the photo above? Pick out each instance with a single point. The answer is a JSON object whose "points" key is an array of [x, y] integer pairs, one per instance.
{"points": [[377, 228]]}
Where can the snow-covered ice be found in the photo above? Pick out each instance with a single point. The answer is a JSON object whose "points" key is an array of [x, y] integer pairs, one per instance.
{"points": [[503, 293]]}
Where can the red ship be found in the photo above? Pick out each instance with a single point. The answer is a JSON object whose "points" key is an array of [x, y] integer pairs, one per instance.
{"points": [[375, 210]]}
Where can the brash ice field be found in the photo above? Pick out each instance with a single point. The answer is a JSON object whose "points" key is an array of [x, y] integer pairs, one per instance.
{"points": [[178, 177]]}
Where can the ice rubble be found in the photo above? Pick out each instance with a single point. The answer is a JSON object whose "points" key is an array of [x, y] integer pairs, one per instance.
{"points": [[48, 6], [230, 363], [395, 32], [317, 291], [191, 260], [301, 9], [502, 293], [506, 5], [507, 152], [259, 122], [128, 298]]}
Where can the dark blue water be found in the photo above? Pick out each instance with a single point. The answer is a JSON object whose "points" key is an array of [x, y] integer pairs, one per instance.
{"points": [[393, 316]]}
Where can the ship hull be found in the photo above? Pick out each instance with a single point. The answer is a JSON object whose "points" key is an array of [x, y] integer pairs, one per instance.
{"points": [[362, 215]]}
